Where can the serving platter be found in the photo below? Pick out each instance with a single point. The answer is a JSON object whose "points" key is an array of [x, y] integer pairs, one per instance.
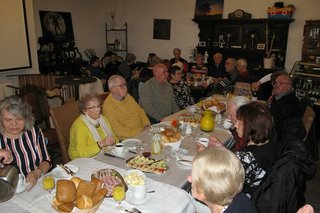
{"points": [[148, 165], [110, 178]]}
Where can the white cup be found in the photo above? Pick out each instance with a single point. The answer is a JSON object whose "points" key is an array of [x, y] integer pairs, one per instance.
{"points": [[227, 124], [139, 192], [204, 141], [119, 148]]}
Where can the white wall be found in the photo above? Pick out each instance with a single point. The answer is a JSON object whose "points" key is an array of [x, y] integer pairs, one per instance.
{"points": [[89, 17]]}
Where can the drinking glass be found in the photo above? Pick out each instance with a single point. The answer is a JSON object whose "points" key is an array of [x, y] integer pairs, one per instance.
{"points": [[168, 152], [48, 183], [119, 194]]}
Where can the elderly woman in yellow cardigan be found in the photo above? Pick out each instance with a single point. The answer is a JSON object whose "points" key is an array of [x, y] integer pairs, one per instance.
{"points": [[91, 131], [126, 117]]}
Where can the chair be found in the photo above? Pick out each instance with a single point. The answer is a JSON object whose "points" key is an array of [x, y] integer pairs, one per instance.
{"points": [[308, 118], [243, 88], [63, 117]]}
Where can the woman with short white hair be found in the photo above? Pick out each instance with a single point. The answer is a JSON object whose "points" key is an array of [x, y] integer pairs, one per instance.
{"points": [[217, 180]]}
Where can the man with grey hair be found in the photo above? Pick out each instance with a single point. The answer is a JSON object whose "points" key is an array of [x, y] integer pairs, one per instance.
{"points": [[177, 58], [126, 117], [157, 97]]}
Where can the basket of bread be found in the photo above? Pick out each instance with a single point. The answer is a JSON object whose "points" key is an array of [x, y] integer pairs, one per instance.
{"points": [[214, 104], [78, 195], [171, 137]]}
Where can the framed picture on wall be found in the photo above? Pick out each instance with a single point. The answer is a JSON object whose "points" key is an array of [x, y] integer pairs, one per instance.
{"points": [[212, 8], [56, 26]]}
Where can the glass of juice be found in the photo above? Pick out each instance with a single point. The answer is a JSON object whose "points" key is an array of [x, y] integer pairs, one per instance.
{"points": [[119, 194], [48, 183]]}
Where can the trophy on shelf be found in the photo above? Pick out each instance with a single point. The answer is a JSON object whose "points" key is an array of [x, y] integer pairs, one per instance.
{"points": [[228, 40], [252, 36], [221, 41]]}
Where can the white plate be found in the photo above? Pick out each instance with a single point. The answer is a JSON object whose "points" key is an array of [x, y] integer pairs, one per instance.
{"points": [[123, 154], [131, 200], [185, 163], [58, 172], [130, 143]]}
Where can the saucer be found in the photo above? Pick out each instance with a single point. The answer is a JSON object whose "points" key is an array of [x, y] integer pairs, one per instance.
{"points": [[130, 199], [130, 143], [58, 172], [123, 154]]}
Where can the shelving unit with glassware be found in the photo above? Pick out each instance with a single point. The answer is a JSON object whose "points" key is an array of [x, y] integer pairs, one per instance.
{"points": [[117, 39], [306, 73]]}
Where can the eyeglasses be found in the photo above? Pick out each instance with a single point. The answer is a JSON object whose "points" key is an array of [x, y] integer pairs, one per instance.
{"points": [[95, 107], [278, 83], [121, 85]]}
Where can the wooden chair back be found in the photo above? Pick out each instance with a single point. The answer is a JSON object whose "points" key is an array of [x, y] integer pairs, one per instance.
{"points": [[243, 88], [63, 117], [308, 118]]}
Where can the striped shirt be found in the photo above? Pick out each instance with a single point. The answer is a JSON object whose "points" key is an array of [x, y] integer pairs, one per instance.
{"points": [[28, 151]]}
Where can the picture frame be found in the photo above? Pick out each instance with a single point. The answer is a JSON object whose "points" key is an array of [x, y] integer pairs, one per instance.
{"points": [[110, 47], [209, 8], [260, 46], [56, 26], [202, 44]]}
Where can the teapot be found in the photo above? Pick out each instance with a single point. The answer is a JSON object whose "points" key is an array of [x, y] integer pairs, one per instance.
{"points": [[9, 175], [207, 121]]}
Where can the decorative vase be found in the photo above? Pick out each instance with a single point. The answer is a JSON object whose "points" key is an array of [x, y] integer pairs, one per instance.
{"points": [[207, 121], [268, 63]]}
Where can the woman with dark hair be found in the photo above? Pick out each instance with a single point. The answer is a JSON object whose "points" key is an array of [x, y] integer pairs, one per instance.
{"points": [[254, 125], [181, 91], [25, 140]]}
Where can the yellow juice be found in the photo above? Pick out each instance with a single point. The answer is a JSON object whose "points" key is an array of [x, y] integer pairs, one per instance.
{"points": [[119, 193], [48, 182]]}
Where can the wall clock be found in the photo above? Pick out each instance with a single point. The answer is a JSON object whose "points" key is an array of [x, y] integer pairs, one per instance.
{"points": [[239, 14]]}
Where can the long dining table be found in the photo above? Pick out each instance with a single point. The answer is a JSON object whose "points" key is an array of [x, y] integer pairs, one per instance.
{"points": [[165, 199]]}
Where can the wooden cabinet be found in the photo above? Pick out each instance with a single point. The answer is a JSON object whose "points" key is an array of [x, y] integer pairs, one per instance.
{"points": [[311, 42], [117, 40], [241, 38]]}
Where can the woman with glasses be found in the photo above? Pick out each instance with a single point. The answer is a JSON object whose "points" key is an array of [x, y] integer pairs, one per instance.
{"points": [[24, 140], [91, 131]]}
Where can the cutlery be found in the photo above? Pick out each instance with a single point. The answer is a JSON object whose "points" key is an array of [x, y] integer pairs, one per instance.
{"points": [[151, 191], [185, 160], [67, 170], [113, 156], [133, 152]]}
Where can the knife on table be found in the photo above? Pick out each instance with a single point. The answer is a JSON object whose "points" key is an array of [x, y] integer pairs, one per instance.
{"points": [[113, 156]]}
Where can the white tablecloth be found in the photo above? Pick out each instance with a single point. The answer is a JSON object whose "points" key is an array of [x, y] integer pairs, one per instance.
{"points": [[166, 199]]}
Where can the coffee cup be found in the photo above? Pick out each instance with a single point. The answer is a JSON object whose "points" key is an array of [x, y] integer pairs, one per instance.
{"points": [[203, 141], [139, 192], [227, 124], [119, 147]]}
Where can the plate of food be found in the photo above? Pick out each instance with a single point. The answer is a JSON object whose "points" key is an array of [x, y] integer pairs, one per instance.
{"points": [[214, 105], [110, 178], [77, 195], [149, 165]]}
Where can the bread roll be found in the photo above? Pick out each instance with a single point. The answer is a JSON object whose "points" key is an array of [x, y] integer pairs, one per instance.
{"points": [[66, 191], [66, 207], [84, 202], [97, 197], [165, 139], [86, 188], [76, 181], [99, 184]]}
